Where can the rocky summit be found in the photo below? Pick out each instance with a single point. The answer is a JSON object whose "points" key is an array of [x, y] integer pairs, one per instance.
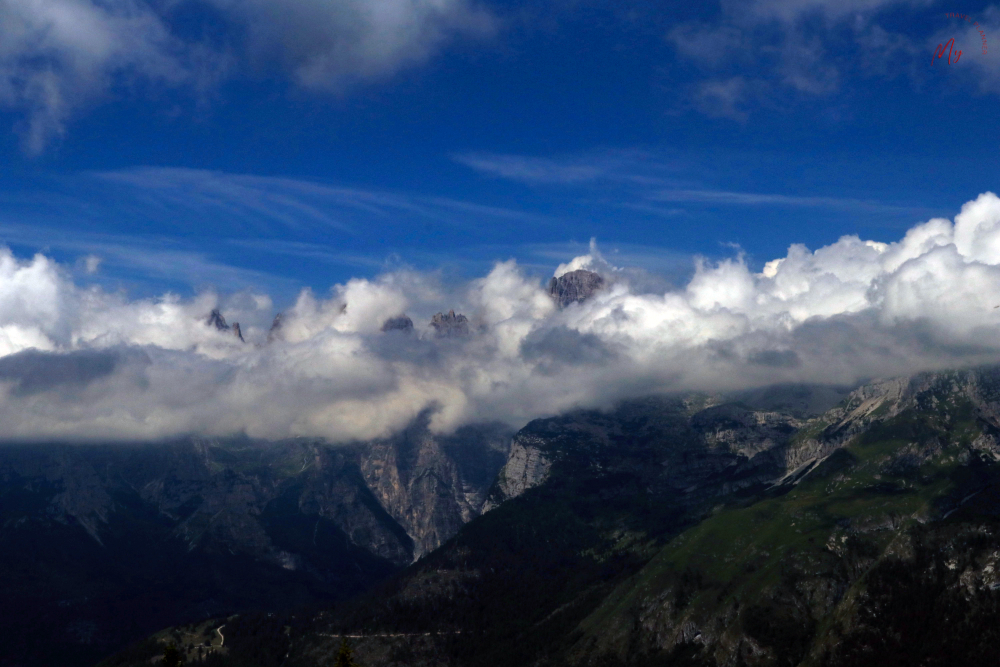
{"points": [[450, 325], [398, 323], [215, 319], [575, 286]]}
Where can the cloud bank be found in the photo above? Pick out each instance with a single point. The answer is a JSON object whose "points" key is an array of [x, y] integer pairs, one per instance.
{"points": [[80, 363]]}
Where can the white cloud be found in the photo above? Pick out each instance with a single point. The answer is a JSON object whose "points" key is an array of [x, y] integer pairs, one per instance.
{"points": [[592, 261], [327, 44], [723, 98], [91, 264], [766, 53], [82, 363], [57, 56]]}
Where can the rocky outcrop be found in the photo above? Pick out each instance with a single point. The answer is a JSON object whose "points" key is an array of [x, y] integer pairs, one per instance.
{"points": [[450, 325], [526, 467], [275, 332], [575, 286], [215, 319], [713, 452], [398, 323], [431, 484]]}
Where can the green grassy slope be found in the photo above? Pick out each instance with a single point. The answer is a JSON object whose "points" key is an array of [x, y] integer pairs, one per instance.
{"points": [[783, 580]]}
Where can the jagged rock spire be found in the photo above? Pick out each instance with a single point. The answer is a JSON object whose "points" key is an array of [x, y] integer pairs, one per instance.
{"points": [[275, 332], [215, 319]]}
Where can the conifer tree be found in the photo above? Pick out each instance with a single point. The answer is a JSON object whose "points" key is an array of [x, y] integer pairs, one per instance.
{"points": [[345, 656]]}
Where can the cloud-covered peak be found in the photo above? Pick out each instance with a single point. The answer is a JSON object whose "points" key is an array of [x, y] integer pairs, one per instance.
{"points": [[80, 363]]}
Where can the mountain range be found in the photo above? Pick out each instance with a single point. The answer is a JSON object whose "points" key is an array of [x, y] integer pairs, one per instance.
{"points": [[795, 525], [700, 530]]}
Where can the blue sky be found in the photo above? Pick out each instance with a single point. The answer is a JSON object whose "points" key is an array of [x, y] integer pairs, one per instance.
{"points": [[272, 145]]}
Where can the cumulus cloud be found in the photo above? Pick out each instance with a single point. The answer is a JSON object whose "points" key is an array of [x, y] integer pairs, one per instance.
{"points": [[592, 261], [80, 363], [327, 44], [57, 56]]}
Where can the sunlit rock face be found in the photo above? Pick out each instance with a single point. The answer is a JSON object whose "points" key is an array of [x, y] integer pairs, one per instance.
{"points": [[434, 484], [575, 286]]}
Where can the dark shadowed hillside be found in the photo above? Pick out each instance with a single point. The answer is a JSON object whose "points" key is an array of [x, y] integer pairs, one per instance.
{"points": [[100, 545]]}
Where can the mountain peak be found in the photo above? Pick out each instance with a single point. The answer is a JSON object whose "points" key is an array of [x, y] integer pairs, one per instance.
{"points": [[575, 286], [215, 319], [450, 325], [398, 323], [274, 333]]}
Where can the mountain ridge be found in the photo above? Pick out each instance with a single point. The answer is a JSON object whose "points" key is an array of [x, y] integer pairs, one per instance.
{"points": [[780, 556]]}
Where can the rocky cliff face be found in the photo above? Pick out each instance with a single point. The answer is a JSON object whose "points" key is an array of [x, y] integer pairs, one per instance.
{"points": [[527, 466], [275, 332], [433, 485], [575, 286], [697, 453]]}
